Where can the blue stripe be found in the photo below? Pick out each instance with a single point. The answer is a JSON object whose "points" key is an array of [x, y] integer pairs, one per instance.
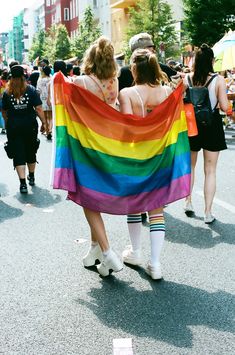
{"points": [[123, 185]]}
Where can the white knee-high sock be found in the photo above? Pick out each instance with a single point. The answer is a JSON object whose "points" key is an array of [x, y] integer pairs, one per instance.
{"points": [[157, 235], [134, 222]]}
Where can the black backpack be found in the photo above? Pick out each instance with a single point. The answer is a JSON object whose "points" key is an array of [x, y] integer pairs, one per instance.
{"points": [[199, 97]]}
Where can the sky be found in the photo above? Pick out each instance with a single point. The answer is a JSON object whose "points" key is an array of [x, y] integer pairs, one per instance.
{"points": [[10, 9]]}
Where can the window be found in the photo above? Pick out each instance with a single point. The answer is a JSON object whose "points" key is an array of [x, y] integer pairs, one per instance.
{"points": [[95, 3], [48, 2], [66, 14]]}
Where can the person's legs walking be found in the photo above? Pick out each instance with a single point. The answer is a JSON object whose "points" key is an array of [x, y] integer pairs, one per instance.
{"points": [[189, 211], [109, 260], [210, 163], [132, 255], [157, 236]]}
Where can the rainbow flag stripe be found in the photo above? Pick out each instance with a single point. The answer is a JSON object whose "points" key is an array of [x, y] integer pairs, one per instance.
{"points": [[116, 163]]}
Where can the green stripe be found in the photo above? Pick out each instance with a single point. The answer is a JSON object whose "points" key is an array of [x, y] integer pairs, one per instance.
{"points": [[118, 165]]}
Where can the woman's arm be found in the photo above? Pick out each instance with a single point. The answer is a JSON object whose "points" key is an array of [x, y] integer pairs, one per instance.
{"points": [[40, 114], [125, 102], [221, 94]]}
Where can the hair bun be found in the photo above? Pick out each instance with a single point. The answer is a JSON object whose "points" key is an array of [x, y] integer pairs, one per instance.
{"points": [[102, 42], [204, 47]]}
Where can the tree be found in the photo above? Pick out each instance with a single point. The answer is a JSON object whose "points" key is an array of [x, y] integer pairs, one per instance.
{"points": [[206, 21], [37, 48], [155, 18], [89, 31], [62, 43], [50, 40]]}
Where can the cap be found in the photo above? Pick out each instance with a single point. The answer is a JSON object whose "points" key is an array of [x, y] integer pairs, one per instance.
{"points": [[17, 71], [141, 40]]}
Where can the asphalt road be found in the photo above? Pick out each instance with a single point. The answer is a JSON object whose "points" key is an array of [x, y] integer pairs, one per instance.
{"points": [[50, 304]]}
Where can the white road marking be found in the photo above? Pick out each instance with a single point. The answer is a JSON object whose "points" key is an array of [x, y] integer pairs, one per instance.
{"points": [[48, 210], [217, 201], [122, 346]]}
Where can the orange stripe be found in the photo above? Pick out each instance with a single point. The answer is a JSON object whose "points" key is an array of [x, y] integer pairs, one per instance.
{"points": [[104, 120]]}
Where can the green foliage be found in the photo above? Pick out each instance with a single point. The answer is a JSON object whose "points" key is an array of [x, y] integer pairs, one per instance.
{"points": [[50, 41], [62, 43], [89, 31], [206, 21], [155, 18], [37, 48], [57, 43]]}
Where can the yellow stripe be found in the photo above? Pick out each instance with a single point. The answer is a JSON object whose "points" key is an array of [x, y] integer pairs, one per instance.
{"points": [[139, 150]]}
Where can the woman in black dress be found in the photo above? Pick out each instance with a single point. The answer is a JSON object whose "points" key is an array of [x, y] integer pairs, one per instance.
{"points": [[21, 105]]}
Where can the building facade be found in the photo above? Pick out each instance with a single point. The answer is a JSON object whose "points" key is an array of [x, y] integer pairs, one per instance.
{"points": [[119, 19], [3, 46], [62, 12]]}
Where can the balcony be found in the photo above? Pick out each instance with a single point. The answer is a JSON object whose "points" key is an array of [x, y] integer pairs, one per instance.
{"points": [[121, 4]]}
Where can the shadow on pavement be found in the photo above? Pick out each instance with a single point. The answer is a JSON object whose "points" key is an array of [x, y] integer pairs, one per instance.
{"points": [[3, 190], [178, 231], [8, 212], [164, 313], [39, 197]]}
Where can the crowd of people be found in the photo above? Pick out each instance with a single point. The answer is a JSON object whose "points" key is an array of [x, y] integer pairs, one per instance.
{"points": [[134, 89]]}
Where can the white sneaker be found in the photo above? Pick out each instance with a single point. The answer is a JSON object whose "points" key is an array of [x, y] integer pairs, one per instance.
{"points": [[209, 218], [110, 262], [131, 257], [188, 209], [93, 254], [154, 271]]}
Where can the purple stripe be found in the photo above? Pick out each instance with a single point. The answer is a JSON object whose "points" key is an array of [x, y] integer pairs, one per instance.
{"points": [[64, 179], [145, 201]]}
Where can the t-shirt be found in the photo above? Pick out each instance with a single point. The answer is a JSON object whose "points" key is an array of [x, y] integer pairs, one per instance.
{"points": [[21, 113], [126, 79]]}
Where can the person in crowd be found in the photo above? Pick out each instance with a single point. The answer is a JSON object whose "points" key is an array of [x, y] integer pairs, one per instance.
{"points": [[34, 76], [76, 71], [20, 104], [3, 83], [210, 139], [100, 78], [42, 87], [13, 62], [43, 63], [69, 69], [141, 41], [60, 65], [147, 93]]}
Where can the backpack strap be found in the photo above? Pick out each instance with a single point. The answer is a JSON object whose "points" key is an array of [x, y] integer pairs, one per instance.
{"points": [[190, 84], [210, 80]]}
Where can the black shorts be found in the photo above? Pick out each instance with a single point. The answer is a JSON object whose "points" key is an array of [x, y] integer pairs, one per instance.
{"points": [[23, 143], [210, 138]]}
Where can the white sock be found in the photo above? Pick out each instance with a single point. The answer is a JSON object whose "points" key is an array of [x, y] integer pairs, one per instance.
{"points": [[157, 236], [106, 252], [134, 223]]}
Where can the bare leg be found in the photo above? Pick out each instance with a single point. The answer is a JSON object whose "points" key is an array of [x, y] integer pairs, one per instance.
{"points": [[21, 171], [193, 166], [31, 167], [98, 232], [210, 163], [49, 120]]}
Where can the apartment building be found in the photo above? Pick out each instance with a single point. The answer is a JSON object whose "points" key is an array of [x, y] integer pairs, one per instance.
{"points": [[62, 11], [119, 19], [102, 13], [33, 21]]}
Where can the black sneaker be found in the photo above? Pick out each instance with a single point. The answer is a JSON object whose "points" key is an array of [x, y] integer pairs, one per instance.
{"points": [[49, 136], [23, 189], [31, 180]]}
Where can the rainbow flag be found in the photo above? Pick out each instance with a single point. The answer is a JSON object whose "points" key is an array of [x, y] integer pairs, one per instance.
{"points": [[116, 163]]}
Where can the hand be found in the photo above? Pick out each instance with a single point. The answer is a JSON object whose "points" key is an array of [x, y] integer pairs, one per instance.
{"points": [[43, 128]]}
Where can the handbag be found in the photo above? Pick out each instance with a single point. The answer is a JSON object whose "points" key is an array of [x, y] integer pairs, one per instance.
{"points": [[9, 150]]}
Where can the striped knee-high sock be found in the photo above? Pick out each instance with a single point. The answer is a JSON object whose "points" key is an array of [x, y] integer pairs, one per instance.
{"points": [[134, 226], [157, 235]]}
